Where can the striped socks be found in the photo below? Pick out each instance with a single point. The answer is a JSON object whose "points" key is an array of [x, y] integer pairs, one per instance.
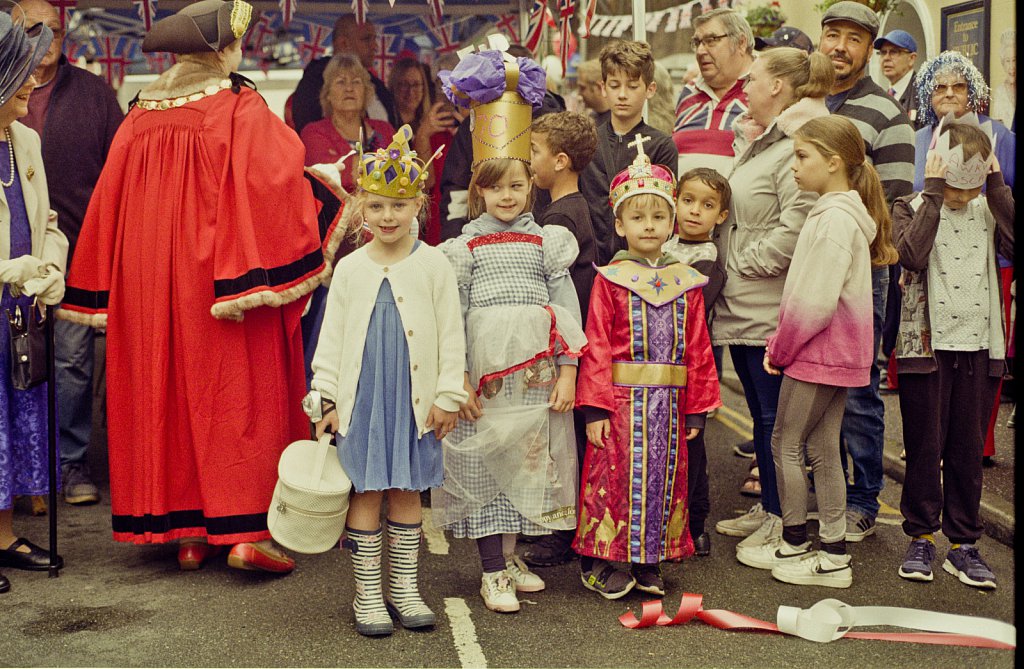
{"points": [[372, 617], [404, 600]]}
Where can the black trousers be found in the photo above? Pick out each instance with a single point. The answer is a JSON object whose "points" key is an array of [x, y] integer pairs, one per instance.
{"points": [[697, 484], [945, 415]]}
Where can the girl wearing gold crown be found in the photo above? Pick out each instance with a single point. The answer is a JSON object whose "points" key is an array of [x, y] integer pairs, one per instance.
{"points": [[387, 377], [510, 466]]}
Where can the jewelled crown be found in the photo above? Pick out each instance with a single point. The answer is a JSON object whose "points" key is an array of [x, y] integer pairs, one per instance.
{"points": [[395, 171], [643, 177], [961, 172]]}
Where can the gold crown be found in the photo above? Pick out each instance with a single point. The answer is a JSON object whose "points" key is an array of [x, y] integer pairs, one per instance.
{"points": [[394, 171], [501, 127]]}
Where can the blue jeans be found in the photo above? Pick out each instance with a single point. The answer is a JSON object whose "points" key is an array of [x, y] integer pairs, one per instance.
{"points": [[762, 392], [863, 433], [75, 359]]}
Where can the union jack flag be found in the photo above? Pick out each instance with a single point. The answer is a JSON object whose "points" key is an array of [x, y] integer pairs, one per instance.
{"points": [[114, 54], [509, 23], [287, 10], [64, 8], [314, 43], [386, 55], [252, 46], [540, 16], [160, 61], [436, 8], [566, 8], [445, 35], [588, 16], [146, 9], [359, 8]]}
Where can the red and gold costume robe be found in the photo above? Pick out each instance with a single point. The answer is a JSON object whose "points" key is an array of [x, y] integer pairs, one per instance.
{"points": [[648, 365], [199, 241]]}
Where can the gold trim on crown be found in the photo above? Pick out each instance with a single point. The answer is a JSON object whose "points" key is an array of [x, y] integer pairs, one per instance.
{"points": [[241, 12], [395, 171]]}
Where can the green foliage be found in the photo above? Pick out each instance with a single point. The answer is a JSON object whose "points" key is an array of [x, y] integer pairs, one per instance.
{"points": [[765, 19]]}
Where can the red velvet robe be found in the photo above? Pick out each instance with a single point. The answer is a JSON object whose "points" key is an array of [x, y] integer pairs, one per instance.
{"points": [[633, 496], [200, 209]]}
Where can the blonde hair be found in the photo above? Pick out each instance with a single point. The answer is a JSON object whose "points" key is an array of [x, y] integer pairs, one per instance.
{"points": [[343, 62], [354, 232], [837, 136], [489, 173], [810, 75]]}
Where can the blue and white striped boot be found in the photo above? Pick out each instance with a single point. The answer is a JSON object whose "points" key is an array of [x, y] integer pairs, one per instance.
{"points": [[372, 617], [404, 602]]}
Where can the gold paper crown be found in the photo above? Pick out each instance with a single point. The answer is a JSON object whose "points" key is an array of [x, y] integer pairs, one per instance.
{"points": [[394, 171], [501, 127]]}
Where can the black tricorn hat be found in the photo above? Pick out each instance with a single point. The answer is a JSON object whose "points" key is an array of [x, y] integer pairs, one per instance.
{"points": [[208, 25], [21, 51]]}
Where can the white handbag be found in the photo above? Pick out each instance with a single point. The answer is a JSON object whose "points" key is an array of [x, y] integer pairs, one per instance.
{"points": [[310, 503]]}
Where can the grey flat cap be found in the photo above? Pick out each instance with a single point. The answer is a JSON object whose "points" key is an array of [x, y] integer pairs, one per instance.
{"points": [[854, 12]]}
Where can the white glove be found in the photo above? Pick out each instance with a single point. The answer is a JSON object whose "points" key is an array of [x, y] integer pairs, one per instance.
{"points": [[21, 269], [330, 174], [48, 289]]}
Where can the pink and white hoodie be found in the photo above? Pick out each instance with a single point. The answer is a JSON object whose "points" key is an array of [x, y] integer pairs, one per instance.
{"points": [[825, 318]]}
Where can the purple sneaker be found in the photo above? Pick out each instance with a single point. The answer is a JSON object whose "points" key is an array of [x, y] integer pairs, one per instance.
{"points": [[917, 563], [966, 564]]}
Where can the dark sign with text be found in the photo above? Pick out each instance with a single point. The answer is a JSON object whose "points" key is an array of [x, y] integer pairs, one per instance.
{"points": [[965, 28]]}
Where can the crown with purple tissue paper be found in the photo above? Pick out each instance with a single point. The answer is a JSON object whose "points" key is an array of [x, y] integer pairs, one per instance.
{"points": [[501, 93], [962, 172]]}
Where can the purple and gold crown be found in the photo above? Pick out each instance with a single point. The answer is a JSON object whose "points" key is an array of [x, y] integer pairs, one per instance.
{"points": [[394, 171], [643, 177]]}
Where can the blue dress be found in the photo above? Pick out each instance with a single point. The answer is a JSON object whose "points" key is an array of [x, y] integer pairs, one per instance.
{"points": [[23, 463], [381, 450]]}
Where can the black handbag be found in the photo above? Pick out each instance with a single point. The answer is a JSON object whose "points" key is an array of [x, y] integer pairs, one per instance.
{"points": [[28, 346]]}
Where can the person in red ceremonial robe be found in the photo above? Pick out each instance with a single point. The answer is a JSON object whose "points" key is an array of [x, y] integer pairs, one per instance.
{"points": [[197, 252], [645, 385]]}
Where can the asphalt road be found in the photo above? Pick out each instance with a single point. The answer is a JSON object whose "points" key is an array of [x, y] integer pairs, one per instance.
{"points": [[119, 605]]}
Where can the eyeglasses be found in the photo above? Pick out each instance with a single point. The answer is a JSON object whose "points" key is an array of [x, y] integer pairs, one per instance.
{"points": [[409, 87], [708, 40], [959, 88]]}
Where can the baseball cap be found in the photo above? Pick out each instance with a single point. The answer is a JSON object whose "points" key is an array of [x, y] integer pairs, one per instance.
{"points": [[854, 12], [785, 36], [900, 38]]}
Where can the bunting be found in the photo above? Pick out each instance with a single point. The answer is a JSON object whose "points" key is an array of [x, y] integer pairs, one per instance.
{"points": [[359, 8], [444, 34], [287, 10], [160, 61], [540, 16], [566, 8], [114, 54], [252, 45], [146, 10], [64, 8], [509, 24], [386, 55], [588, 16], [436, 8], [315, 40]]}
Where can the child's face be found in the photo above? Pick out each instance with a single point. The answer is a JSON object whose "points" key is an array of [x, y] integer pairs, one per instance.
{"points": [[811, 170], [507, 198], [390, 219], [626, 95], [543, 163], [698, 210], [645, 229], [958, 198]]}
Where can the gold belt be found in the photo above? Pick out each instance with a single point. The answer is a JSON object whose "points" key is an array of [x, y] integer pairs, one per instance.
{"points": [[648, 374]]}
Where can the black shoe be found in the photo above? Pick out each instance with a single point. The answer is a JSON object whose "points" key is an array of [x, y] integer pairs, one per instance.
{"points": [[745, 449], [702, 545], [987, 461], [648, 578], [551, 550], [36, 559], [5, 585]]}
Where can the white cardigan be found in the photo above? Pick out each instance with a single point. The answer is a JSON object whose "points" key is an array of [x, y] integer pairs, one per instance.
{"points": [[427, 298]]}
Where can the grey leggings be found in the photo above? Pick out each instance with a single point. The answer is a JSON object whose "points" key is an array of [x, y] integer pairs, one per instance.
{"points": [[811, 414]]}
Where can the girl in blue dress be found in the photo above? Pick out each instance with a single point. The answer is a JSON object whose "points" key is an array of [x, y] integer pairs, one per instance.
{"points": [[389, 370]]}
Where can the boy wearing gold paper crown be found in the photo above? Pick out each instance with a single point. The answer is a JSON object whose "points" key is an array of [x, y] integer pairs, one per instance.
{"points": [[951, 346], [510, 466], [387, 379], [646, 382]]}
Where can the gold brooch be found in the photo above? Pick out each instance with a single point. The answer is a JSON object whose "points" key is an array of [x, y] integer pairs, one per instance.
{"points": [[30, 172]]}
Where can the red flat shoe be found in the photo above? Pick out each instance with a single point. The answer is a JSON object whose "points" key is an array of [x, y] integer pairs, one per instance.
{"points": [[252, 557], [192, 554]]}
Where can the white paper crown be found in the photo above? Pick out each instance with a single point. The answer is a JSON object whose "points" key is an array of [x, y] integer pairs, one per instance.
{"points": [[961, 172]]}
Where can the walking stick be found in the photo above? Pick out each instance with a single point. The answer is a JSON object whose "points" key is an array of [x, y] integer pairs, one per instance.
{"points": [[51, 433]]}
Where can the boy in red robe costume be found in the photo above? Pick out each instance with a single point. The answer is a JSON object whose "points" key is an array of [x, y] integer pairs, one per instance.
{"points": [[197, 251], [645, 384]]}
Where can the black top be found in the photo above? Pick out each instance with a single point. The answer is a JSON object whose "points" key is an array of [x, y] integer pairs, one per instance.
{"points": [[571, 212]]}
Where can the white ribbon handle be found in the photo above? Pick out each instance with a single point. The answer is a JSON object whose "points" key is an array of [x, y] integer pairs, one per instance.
{"points": [[321, 459], [831, 619]]}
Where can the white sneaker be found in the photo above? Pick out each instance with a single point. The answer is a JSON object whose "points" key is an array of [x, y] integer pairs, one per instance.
{"points": [[499, 592], [770, 529], [745, 525], [523, 579], [772, 554], [821, 568]]}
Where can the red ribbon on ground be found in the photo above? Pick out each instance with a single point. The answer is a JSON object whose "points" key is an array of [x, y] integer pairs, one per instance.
{"points": [[691, 607]]}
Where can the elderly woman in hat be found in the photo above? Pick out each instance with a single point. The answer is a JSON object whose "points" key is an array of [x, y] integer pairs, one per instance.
{"points": [[950, 84], [32, 256], [197, 253]]}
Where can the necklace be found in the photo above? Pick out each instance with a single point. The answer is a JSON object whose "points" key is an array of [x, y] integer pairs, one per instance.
{"points": [[10, 154]]}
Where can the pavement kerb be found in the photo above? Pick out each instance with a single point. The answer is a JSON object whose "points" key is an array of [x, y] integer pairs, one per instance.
{"points": [[996, 513]]}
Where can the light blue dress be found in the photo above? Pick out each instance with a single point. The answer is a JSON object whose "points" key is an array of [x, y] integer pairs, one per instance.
{"points": [[381, 450]]}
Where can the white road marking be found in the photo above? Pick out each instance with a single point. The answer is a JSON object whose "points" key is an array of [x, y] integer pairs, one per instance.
{"points": [[888, 521], [437, 544], [471, 655]]}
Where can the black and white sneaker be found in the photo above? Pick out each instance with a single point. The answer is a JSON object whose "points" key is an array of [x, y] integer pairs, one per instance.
{"points": [[858, 526]]}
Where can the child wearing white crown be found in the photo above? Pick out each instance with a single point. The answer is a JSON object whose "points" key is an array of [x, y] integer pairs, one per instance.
{"points": [[951, 346], [387, 378], [510, 466], [646, 382]]}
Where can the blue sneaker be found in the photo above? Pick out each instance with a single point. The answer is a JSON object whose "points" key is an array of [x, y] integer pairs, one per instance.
{"points": [[966, 564], [917, 563]]}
